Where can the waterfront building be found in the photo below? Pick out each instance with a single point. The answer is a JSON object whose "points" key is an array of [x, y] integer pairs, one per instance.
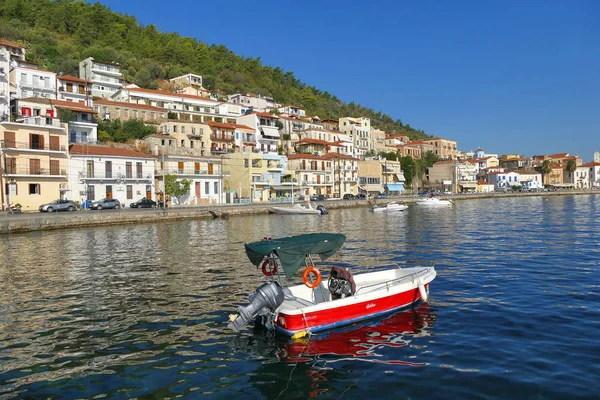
{"points": [[206, 173], [515, 162], [181, 138], [30, 81], [393, 141], [76, 90], [530, 179], [358, 130], [579, 179], [445, 149], [97, 172], [256, 177], [503, 180], [10, 54], [78, 116], [370, 173], [424, 146], [392, 177], [265, 130], [34, 152], [485, 187], [105, 76], [109, 109], [222, 137], [558, 159], [457, 176], [314, 174], [252, 102], [345, 174], [593, 173]]}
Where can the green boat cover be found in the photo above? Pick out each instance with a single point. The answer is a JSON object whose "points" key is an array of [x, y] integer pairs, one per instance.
{"points": [[292, 251]]}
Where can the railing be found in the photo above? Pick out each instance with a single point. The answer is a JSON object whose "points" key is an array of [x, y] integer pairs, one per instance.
{"points": [[36, 171], [42, 121], [9, 145], [185, 171], [112, 176], [314, 182], [226, 138]]}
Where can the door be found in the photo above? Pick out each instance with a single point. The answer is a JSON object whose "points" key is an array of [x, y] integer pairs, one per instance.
{"points": [[70, 87], [197, 168], [210, 168], [34, 166], [109, 192], [318, 179], [180, 167], [198, 190], [54, 143], [90, 169], [148, 191], [9, 140]]}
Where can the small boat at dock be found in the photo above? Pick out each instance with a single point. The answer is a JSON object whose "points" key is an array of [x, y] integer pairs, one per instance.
{"points": [[434, 202], [390, 207]]}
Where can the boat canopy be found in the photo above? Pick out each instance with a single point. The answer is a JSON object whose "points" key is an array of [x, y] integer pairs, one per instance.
{"points": [[292, 251]]}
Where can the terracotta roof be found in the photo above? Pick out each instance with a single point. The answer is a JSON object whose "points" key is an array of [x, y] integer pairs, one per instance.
{"points": [[244, 127], [527, 172], [10, 44], [124, 104], [305, 156], [220, 125], [559, 155], [72, 79], [316, 141], [78, 149], [264, 114], [591, 164], [330, 119], [329, 156], [483, 183]]}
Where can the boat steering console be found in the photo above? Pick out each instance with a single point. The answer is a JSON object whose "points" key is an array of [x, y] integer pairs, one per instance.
{"points": [[341, 283]]}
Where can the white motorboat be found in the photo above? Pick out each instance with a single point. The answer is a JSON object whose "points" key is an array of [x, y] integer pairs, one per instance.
{"points": [[322, 304], [434, 202], [390, 207], [300, 209]]}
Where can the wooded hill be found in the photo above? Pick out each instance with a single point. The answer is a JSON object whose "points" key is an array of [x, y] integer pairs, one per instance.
{"points": [[60, 33]]}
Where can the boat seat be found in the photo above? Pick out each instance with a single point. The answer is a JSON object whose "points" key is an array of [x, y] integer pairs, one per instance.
{"points": [[321, 294]]}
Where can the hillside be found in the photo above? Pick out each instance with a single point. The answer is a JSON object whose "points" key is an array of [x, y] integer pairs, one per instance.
{"points": [[60, 33]]}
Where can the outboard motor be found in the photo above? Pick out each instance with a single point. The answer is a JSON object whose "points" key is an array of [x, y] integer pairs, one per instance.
{"points": [[268, 296], [322, 209], [341, 283]]}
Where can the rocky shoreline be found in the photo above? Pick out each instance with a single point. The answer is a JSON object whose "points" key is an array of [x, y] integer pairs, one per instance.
{"points": [[32, 222]]}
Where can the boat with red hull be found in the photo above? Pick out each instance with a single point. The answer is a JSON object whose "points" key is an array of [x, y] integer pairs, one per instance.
{"points": [[319, 305]]}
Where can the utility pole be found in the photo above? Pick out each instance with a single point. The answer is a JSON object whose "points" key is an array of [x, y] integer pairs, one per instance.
{"points": [[221, 180], [87, 99]]}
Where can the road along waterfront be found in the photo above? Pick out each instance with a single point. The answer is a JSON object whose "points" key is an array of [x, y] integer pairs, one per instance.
{"points": [[141, 310], [35, 221]]}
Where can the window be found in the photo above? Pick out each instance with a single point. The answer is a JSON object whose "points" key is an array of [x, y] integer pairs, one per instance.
{"points": [[11, 189], [128, 170], [91, 193], [216, 187], [108, 169], [34, 188], [193, 131], [175, 128], [206, 188], [183, 129], [138, 167], [182, 142], [129, 192], [54, 167]]}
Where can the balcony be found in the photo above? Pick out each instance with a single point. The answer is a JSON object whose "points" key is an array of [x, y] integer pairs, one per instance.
{"points": [[104, 70], [91, 175], [28, 171], [42, 121], [314, 182], [185, 172], [33, 147], [222, 138]]}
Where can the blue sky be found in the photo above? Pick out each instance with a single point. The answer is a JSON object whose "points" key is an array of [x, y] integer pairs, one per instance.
{"points": [[509, 76]]}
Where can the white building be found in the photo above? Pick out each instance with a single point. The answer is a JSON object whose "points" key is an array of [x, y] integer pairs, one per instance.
{"points": [[33, 82], [186, 80], [104, 75], [97, 172], [292, 110], [71, 88], [530, 180], [593, 173], [251, 101], [266, 132], [10, 53], [504, 180], [359, 130]]}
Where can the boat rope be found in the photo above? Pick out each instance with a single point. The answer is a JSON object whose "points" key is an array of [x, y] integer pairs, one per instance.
{"points": [[288, 382]]}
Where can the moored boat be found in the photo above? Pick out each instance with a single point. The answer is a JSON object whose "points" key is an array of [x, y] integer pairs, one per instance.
{"points": [[434, 202], [390, 207], [318, 305], [300, 209]]}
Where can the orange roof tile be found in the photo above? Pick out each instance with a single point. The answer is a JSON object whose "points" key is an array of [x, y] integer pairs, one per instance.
{"points": [[559, 155], [220, 125], [10, 44], [299, 156], [315, 141], [591, 164], [71, 79], [264, 114], [78, 149], [329, 156], [177, 95]]}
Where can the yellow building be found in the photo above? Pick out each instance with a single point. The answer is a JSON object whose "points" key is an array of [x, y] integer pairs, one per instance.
{"points": [[258, 177], [445, 149], [313, 173], [36, 153]]}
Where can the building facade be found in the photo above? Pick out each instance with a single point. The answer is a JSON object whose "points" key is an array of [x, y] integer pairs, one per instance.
{"points": [[106, 77]]}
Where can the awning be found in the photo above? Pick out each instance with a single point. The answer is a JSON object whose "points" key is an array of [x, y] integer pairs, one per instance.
{"points": [[469, 185], [270, 131], [395, 187], [400, 177]]}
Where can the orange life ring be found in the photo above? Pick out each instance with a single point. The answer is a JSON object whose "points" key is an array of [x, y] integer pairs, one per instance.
{"points": [[307, 272], [266, 270]]}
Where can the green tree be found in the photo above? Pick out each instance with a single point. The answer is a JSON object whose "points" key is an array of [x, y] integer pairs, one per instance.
{"points": [[546, 169], [409, 169], [571, 167], [176, 188]]}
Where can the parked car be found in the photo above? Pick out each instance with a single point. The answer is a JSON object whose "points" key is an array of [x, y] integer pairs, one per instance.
{"points": [[381, 196], [317, 197], [361, 196], [105, 203], [349, 196], [423, 193], [143, 203], [58, 205]]}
